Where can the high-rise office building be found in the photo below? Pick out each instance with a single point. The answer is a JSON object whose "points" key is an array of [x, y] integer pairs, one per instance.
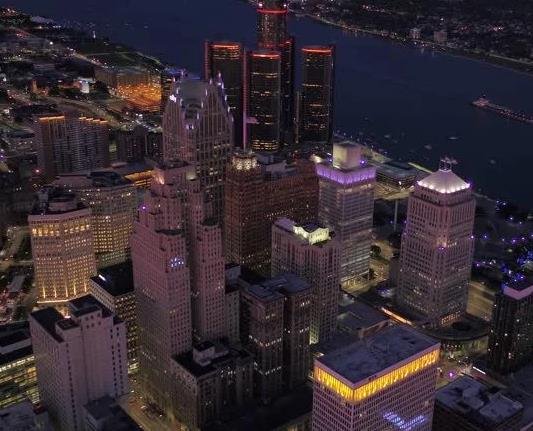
{"points": [[347, 207], [178, 274], [275, 320], [62, 246], [18, 377], [260, 190], [309, 251], [113, 287], [198, 129], [79, 359], [161, 276], [383, 382], [317, 94], [225, 60], [113, 203], [213, 382], [263, 100], [169, 77], [273, 35], [437, 248], [70, 142], [511, 333], [466, 404]]}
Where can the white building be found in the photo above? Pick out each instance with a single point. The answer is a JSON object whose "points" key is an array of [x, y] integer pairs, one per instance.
{"points": [[346, 206], [437, 248], [383, 382], [79, 359]]}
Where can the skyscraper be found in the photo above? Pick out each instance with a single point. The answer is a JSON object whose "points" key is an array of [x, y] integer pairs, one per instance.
{"points": [[198, 129], [310, 252], [113, 203], [62, 246], [317, 96], [511, 334], [71, 142], [79, 359], [226, 60], [273, 35], [264, 103], [259, 190], [169, 77], [384, 382], [347, 207], [437, 248], [178, 272], [275, 319]]}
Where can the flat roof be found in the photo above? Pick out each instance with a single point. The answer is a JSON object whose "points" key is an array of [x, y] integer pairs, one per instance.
{"points": [[47, 318], [186, 360], [481, 404], [376, 353], [358, 315], [116, 280]]}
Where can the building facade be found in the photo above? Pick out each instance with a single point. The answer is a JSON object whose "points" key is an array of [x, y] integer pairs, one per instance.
{"points": [[198, 129], [79, 359], [437, 248], [511, 334], [69, 143], [384, 382], [263, 104], [62, 246], [113, 287], [113, 203], [347, 207], [317, 95], [225, 61], [310, 252], [259, 190]]}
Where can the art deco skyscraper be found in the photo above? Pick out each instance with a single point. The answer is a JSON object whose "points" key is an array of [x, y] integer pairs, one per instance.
{"points": [[79, 359], [511, 334], [198, 129], [317, 96], [347, 207], [384, 382], [62, 246], [71, 142], [272, 34], [264, 103], [310, 252], [437, 248], [225, 60], [177, 260], [161, 274]]}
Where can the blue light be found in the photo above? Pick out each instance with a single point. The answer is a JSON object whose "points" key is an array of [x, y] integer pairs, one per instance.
{"points": [[402, 424]]}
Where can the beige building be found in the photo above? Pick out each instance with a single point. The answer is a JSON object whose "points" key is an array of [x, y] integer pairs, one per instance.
{"points": [[62, 246], [310, 252], [113, 203]]}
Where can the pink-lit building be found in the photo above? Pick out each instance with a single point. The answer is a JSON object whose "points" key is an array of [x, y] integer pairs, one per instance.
{"points": [[346, 207], [178, 273], [78, 359], [437, 248], [198, 129]]}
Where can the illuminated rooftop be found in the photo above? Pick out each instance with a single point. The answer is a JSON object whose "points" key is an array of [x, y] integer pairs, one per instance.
{"points": [[375, 354], [444, 181]]}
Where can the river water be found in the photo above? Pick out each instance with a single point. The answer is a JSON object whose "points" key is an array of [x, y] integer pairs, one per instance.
{"points": [[415, 103]]}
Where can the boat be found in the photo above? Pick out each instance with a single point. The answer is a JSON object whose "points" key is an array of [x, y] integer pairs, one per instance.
{"points": [[486, 104]]}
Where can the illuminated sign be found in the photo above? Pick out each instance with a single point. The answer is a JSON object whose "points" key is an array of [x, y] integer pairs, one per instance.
{"points": [[356, 395]]}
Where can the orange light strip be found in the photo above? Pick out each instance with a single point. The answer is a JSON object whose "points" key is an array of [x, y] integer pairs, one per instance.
{"points": [[271, 56], [356, 395], [273, 11], [318, 50], [226, 46]]}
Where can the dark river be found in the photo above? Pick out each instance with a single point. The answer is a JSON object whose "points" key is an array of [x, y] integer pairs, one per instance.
{"points": [[411, 102]]}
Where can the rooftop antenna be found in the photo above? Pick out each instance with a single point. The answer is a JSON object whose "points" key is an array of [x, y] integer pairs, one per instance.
{"points": [[446, 163]]}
